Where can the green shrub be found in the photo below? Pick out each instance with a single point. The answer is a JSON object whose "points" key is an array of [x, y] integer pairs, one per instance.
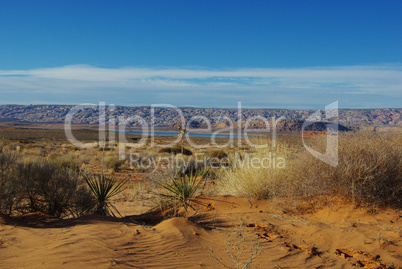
{"points": [[176, 150]]}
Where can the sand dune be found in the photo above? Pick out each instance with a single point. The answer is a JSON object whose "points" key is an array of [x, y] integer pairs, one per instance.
{"points": [[330, 237]]}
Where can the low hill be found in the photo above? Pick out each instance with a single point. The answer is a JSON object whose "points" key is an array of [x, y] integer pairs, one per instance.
{"points": [[166, 117]]}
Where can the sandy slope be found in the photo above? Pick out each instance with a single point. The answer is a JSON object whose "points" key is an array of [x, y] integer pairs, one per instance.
{"points": [[336, 237]]}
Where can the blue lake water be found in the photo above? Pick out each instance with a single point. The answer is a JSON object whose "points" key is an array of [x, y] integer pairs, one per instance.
{"points": [[188, 134]]}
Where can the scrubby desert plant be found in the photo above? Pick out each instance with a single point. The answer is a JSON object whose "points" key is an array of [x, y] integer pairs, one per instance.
{"points": [[82, 201], [142, 162], [238, 244], [176, 150], [46, 187], [64, 195], [66, 162], [113, 162], [7, 159], [186, 165], [218, 154], [9, 187], [369, 170], [33, 175]]}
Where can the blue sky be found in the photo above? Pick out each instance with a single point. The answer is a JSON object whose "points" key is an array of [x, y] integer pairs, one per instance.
{"points": [[268, 54]]}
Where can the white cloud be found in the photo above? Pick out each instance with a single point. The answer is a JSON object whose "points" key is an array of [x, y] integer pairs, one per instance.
{"points": [[286, 87]]}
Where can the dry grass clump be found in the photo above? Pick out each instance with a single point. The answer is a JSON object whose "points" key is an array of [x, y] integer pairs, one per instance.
{"points": [[65, 162], [369, 170], [142, 162], [218, 154], [258, 175], [113, 162]]}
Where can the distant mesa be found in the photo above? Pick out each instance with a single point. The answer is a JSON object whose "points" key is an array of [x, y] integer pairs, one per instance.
{"points": [[219, 118], [291, 126]]}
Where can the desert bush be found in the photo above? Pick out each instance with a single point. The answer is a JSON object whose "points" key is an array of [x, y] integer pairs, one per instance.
{"points": [[63, 194], [369, 170], [169, 206], [46, 187], [9, 188], [142, 162], [218, 154], [32, 175], [65, 162], [82, 201], [176, 150], [261, 174], [84, 158], [106, 148], [186, 165], [7, 160], [113, 162], [137, 191]]}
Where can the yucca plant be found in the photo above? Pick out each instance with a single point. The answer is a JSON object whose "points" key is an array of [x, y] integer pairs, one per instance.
{"points": [[104, 188], [182, 188]]}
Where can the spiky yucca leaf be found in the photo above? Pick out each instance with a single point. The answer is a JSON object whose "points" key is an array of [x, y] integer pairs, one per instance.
{"points": [[103, 188], [182, 188]]}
